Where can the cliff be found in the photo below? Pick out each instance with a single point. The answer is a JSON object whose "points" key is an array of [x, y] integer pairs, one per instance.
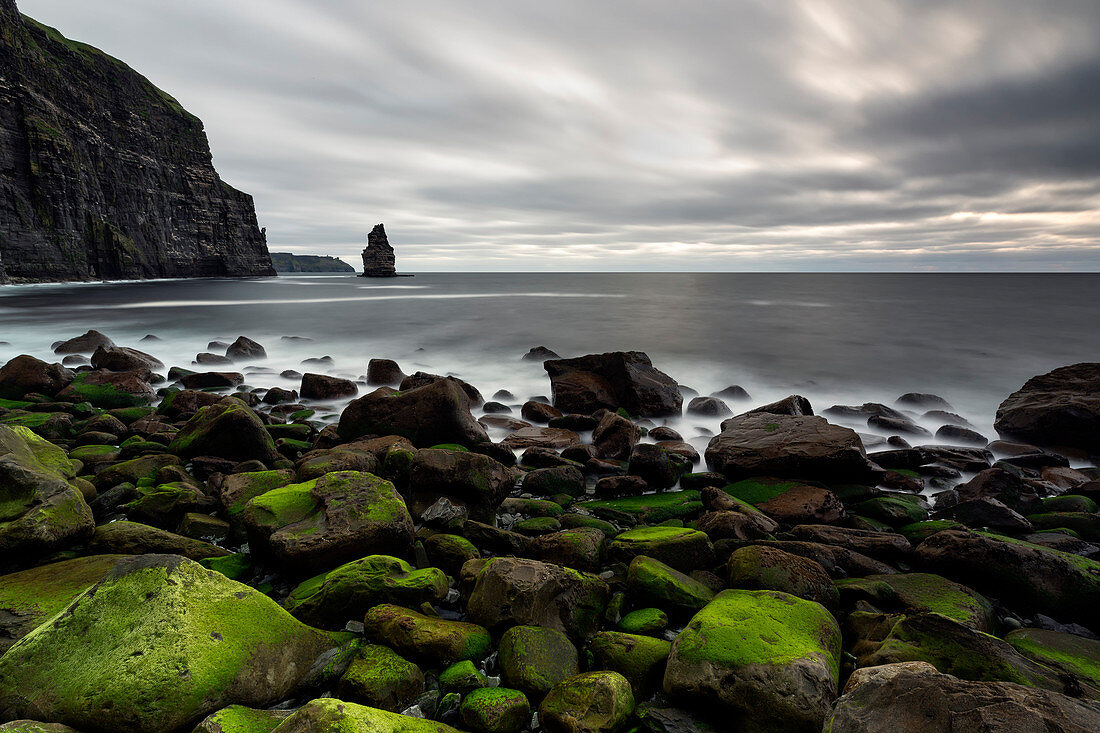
{"points": [[287, 262], [103, 175]]}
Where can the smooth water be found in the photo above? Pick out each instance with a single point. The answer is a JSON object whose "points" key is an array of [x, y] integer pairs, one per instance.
{"points": [[835, 338]]}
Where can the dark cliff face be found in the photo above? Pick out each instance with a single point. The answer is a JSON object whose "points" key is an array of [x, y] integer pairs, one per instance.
{"points": [[102, 175]]}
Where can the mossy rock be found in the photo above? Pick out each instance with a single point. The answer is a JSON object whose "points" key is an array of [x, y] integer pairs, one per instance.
{"points": [[96, 389], [950, 646], [35, 452], [495, 710], [921, 592], [758, 567], [92, 454], [450, 552], [648, 621], [33, 726], [532, 507], [593, 701], [165, 505], [896, 510], [1084, 525], [1069, 503], [640, 659], [134, 538], [462, 677], [228, 429], [771, 659], [241, 719], [30, 597], [155, 645], [647, 508], [239, 488], [756, 491], [650, 581], [135, 470], [581, 521], [381, 678], [537, 526], [435, 641], [234, 566], [917, 532], [329, 715], [534, 659], [1070, 654], [130, 415], [679, 547], [333, 598]]}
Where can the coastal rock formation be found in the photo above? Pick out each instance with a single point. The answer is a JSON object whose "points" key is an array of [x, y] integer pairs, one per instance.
{"points": [[287, 262], [1060, 408], [378, 258], [103, 175]]}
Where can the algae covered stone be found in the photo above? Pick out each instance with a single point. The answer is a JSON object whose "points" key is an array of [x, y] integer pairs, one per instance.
{"points": [[241, 719], [641, 659], [759, 567], [33, 726], [534, 659], [495, 710], [228, 429], [462, 677], [433, 640], [329, 715], [153, 647], [134, 538], [647, 508], [30, 597], [381, 678], [679, 547], [329, 520], [333, 598], [1072, 655], [593, 702], [645, 621], [770, 658], [650, 581], [921, 592]]}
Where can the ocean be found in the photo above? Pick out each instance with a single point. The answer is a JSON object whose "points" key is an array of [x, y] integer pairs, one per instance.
{"points": [[834, 338]]}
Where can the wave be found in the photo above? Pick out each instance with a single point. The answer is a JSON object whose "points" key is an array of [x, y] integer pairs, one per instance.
{"points": [[345, 299]]}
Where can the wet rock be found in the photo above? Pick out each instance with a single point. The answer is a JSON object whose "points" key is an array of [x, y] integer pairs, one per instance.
{"points": [[766, 568], [534, 659], [384, 372], [592, 702], [86, 344], [134, 538], [279, 396], [708, 406], [615, 436], [652, 464], [1060, 408], [533, 437], [471, 480], [208, 359], [211, 380], [540, 353], [436, 413], [770, 659], [539, 412], [923, 401], [785, 446], [245, 349], [920, 593], [24, 375], [652, 582], [613, 380], [918, 702], [113, 660], [682, 548], [434, 641], [495, 710], [886, 545], [839, 562], [122, 359], [733, 392], [323, 387], [511, 591], [959, 434], [894, 425], [989, 513], [794, 405], [228, 429], [381, 678], [419, 379], [110, 389]]}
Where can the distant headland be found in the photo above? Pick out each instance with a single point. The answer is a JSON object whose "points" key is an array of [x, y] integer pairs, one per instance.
{"points": [[378, 257], [287, 262]]}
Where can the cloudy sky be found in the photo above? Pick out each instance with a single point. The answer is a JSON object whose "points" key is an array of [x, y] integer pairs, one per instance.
{"points": [[642, 134]]}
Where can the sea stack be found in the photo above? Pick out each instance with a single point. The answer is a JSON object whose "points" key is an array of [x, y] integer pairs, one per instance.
{"points": [[378, 258]]}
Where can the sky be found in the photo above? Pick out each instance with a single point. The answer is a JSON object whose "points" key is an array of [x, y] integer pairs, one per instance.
{"points": [[637, 135]]}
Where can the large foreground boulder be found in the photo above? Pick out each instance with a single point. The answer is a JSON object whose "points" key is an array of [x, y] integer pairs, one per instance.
{"points": [[616, 379], [228, 429], [437, 413], [1059, 408], [40, 511], [922, 701], [317, 525], [153, 647], [772, 660], [785, 446], [1024, 576]]}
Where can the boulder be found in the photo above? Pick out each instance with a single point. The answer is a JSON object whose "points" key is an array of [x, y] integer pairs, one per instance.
{"points": [[133, 538], [329, 715], [1076, 658], [495, 710], [533, 437], [437, 413], [381, 678], [920, 593], [772, 660], [533, 659], [330, 520], [613, 380], [708, 407], [31, 597], [323, 387], [789, 502], [40, 510], [789, 447], [509, 591], [839, 562], [593, 702], [122, 359], [157, 644], [24, 374], [85, 344], [227, 429], [241, 719], [614, 436], [758, 567], [245, 349], [419, 379], [110, 389], [652, 463], [651, 582], [1026, 576], [794, 406], [679, 547], [211, 380], [889, 546], [920, 701], [384, 371], [1059, 408], [640, 659], [471, 480], [331, 599], [434, 641]]}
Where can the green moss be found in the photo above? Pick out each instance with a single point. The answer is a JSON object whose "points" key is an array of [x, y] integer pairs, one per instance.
{"points": [[650, 581], [239, 719], [495, 710], [741, 627], [1076, 655], [918, 531], [644, 621], [451, 446], [103, 395], [26, 419], [924, 592], [537, 525], [897, 510], [380, 677], [578, 521], [95, 453], [14, 405], [424, 637], [47, 456], [757, 491], [284, 505], [648, 508], [231, 566], [130, 415], [534, 659], [462, 677], [640, 659], [1083, 524]]}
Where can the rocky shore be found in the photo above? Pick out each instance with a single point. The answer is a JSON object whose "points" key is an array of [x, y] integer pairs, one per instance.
{"points": [[183, 548]]}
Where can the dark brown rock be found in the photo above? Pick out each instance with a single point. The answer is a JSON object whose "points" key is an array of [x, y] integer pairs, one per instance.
{"points": [[25, 374], [1060, 408], [324, 387], [122, 359], [613, 380], [615, 436], [384, 371], [434, 414], [84, 344]]}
